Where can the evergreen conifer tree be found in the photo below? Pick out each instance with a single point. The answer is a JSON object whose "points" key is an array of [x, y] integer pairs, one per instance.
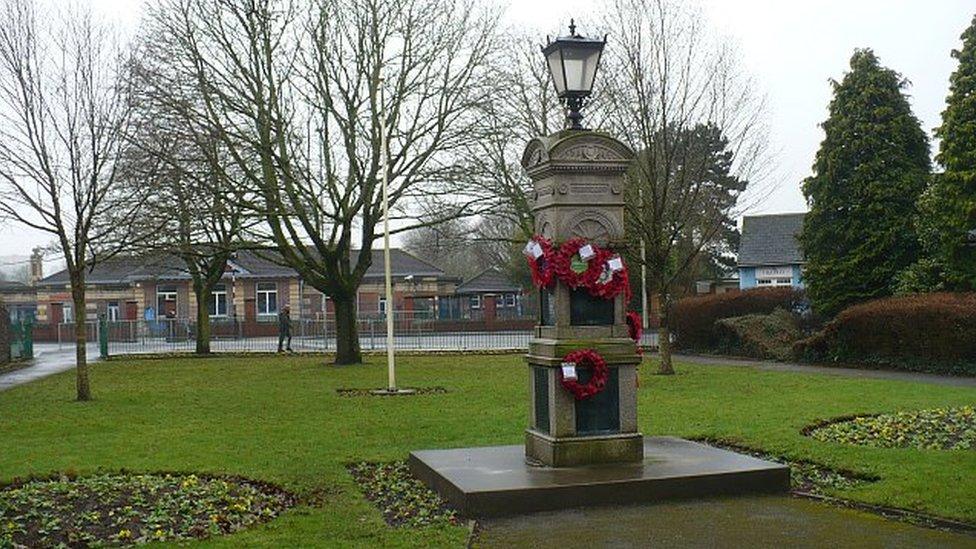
{"points": [[867, 177], [947, 216]]}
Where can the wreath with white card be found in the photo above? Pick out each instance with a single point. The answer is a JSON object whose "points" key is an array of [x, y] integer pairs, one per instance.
{"points": [[584, 358], [602, 272], [541, 257]]}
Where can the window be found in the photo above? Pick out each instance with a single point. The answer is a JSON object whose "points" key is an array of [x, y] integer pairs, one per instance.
{"points": [[774, 282], [510, 300], [67, 313], [166, 302], [267, 298], [476, 302], [218, 301], [113, 311], [381, 306]]}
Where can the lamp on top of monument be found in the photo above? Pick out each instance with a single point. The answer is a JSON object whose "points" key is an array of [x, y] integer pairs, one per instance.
{"points": [[573, 61]]}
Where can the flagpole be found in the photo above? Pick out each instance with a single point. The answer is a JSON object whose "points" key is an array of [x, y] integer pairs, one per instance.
{"points": [[387, 271]]}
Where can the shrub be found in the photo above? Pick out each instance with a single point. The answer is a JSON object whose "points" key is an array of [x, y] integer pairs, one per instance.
{"points": [[693, 319], [759, 336], [923, 332], [4, 335]]}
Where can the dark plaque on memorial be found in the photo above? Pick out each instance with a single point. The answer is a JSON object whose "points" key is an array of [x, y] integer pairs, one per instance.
{"points": [[547, 308], [541, 399], [599, 414], [586, 310]]}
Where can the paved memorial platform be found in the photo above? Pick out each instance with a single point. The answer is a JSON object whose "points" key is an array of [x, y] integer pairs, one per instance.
{"points": [[496, 480]]}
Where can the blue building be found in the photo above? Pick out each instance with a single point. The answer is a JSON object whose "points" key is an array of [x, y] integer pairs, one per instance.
{"points": [[769, 253]]}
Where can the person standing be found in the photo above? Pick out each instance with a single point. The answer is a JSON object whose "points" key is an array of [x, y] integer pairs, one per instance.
{"points": [[284, 328]]}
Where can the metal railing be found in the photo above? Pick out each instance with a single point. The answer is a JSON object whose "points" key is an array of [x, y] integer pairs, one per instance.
{"points": [[411, 332]]}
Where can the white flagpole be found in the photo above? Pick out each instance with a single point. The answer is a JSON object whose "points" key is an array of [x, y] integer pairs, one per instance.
{"points": [[390, 360]]}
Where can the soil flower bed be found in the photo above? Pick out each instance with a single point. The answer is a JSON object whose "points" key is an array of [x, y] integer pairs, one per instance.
{"points": [[403, 499], [119, 509], [935, 429]]}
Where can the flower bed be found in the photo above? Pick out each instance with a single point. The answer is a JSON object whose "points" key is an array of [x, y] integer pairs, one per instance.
{"points": [[936, 429], [403, 500], [121, 509]]}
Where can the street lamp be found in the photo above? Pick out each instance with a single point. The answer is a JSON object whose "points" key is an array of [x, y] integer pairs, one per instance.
{"points": [[573, 61]]}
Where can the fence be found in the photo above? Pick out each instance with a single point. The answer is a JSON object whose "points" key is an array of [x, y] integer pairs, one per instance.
{"points": [[411, 332], [21, 340]]}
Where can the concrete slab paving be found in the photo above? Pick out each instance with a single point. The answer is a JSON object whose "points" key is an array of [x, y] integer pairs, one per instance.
{"points": [[496, 480], [747, 521]]}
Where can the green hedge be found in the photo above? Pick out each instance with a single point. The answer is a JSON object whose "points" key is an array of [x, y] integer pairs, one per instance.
{"points": [[693, 319], [925, 332]]}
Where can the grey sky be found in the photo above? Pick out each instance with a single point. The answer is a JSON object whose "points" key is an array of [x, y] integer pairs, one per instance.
{"points": [[791, 48]]}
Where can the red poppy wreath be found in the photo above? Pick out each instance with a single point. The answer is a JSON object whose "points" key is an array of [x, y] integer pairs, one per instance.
{"points": [[586, 358], [541, 257], [603, 274]]}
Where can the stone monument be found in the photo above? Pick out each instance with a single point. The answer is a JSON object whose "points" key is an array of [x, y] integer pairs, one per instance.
{"points": [[578, 179], [582, 446]]}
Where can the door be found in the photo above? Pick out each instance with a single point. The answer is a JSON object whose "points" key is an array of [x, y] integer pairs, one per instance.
{"points": [[57, 313]]}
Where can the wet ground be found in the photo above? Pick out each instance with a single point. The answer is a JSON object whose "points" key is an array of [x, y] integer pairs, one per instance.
{"points": [[49, 359], [764, 521]]}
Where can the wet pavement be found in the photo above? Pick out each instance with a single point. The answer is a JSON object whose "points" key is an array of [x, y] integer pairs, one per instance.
{"points": [[49, 359], [754, 521], [769, 365]]}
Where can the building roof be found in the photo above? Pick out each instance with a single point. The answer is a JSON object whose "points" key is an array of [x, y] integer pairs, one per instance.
{"points": [[489, 281], [12, 286], [246, 264], [771, 240]]}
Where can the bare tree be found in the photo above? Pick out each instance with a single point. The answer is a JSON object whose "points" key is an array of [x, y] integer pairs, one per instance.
{"points": [[64, 117], [299, 98], [197, 210], [678, 97]]}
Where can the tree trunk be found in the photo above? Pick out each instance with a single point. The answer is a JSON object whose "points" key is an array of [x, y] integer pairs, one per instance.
{"points": [[664, 334], [203, 296], [347, 331], [81, 335]]}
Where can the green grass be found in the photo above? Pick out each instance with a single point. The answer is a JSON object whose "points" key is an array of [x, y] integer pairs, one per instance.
{"points": [[279, 419]]}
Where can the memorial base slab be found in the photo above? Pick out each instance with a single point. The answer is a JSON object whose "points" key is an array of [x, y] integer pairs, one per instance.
{"points": [[497, 480]]}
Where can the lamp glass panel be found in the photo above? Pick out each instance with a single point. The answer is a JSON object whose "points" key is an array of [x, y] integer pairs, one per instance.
{"points": [[556, 68], [580, 63]]}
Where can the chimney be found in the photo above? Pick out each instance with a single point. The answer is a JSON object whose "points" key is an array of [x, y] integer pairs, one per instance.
{"points": [[36, 266]]}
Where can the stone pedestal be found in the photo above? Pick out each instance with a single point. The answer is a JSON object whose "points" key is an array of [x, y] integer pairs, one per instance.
{"points": [[578, 192]]}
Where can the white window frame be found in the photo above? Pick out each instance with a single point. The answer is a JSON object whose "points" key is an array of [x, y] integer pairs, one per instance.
{"points": [[476, 301], [112, 311], [510, 301], [166, 293], [214, 305], [774, 282], [263, 298], [381, 306], [67, 313]]}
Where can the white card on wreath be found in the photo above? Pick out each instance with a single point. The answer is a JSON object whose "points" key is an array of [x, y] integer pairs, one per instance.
{"points": [[616, 264], [533, 249], [586, 253], [569, 370]]}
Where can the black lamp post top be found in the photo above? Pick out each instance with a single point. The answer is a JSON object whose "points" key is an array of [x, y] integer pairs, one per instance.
{"points": [[573, 61]]}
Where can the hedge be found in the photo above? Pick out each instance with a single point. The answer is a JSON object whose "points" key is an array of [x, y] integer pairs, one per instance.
{"points": [[924, 332], [693, 319], [769, 336]]}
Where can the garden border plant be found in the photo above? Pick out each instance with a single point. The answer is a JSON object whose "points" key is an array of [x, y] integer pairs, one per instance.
{"points": [[125, 508], [947, 429]]}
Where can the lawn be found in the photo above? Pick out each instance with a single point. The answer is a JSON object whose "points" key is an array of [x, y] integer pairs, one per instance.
{"points": [[279, 419]]}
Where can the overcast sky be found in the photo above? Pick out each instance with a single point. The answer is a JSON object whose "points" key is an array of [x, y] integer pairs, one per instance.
{"points": [[791, 48]]}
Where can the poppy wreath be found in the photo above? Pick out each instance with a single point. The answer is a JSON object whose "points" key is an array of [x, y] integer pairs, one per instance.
{"points": [[543, 267], [592, 277], [586, 358]]}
